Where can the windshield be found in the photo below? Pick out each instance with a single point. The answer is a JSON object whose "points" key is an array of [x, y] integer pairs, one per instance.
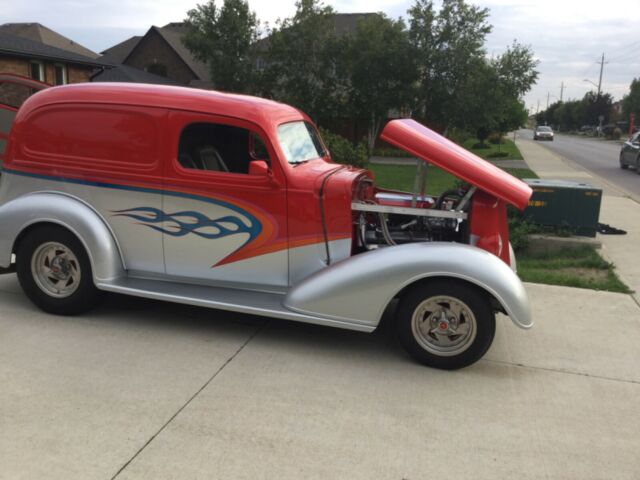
{"points": [[544, 129], [300, 142]]}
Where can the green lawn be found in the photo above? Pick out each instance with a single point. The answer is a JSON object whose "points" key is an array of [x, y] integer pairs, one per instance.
{"points": [[577, 267], [402, 177]]}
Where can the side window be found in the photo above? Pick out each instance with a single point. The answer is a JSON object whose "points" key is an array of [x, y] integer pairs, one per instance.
{"points": [[219, 148]]}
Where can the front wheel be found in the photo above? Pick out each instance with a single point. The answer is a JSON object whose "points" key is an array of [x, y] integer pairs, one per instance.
{"points": [[445, 324], [623, 165], [54, 271]]}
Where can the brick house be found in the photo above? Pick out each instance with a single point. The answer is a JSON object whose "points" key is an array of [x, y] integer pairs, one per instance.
{"points": [[42, 62], [160, 52]]}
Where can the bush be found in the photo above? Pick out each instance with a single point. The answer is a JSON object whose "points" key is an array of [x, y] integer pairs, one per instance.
{"points": [[343, 151], [616, 134], [480, 146], [519, 231], [498, 155]]}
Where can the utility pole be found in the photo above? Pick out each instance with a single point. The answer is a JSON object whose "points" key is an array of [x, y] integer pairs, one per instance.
{"points": [[547, 100], [538, 107], [600, 81], [561, 90]]}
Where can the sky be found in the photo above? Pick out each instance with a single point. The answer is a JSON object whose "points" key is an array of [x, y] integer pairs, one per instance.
{"points": [[568, 37]]}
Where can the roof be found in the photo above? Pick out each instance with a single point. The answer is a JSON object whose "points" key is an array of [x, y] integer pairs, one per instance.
{"points": [[22, 47], [427, 145], [172, 34], [39, 33], [125, 73], [265, 113], [118, 53], [173, 37]]}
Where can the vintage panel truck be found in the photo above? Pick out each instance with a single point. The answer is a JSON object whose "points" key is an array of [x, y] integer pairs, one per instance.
{"points": [[233, 202]]}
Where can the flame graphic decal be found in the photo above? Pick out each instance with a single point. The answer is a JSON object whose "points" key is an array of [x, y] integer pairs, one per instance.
{"points": [[183, 223]]}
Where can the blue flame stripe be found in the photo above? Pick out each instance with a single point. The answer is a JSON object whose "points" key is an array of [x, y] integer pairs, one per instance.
{"points": [[217, 228], [254, 228]]}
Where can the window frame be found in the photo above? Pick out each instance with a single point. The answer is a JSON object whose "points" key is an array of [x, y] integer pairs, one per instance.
{"points": [[41, 70], [65, 77], [180, 120]]}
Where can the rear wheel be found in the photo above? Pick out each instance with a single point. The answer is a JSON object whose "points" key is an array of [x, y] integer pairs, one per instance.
{"points": [[54, 271], [445, 324]]}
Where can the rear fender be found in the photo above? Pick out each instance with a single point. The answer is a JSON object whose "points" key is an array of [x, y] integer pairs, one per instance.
{"points": [[26, 211], [360, 287]]}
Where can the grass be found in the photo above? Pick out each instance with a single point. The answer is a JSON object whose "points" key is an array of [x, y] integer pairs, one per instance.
{"points": [[508, 147], [576, 267], [402, 177]]}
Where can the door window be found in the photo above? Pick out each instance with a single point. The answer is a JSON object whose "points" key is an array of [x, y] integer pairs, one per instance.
{"points": [[219, 148]]}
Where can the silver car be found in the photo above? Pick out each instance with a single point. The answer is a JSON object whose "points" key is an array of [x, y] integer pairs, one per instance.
{"points": [[543, 133], [630, 153]]}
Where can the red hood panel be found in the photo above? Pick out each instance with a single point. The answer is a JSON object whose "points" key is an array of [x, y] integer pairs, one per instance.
{"points": [[427, 145]]}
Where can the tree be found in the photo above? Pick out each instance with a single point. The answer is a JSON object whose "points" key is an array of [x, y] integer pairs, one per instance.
{"points": [[595, 106], [223, 39], [304, 62], [448, 46], [631, 101], [516, 69], [382, 71]]}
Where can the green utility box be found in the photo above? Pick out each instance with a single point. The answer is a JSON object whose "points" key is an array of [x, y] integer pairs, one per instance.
{"points": [[573, 206]]}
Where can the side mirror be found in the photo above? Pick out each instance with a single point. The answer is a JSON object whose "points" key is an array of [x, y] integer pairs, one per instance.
{"points": [[259, 168]]}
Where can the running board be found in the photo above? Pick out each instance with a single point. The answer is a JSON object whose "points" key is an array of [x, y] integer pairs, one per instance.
{"points": [[233, 300], [10, 269]]}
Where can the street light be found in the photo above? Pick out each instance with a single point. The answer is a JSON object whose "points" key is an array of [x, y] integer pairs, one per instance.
{"points": [[594, 84]]}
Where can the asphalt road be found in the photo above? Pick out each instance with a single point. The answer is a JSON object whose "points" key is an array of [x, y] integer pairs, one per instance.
{"points": [[596, 156]]}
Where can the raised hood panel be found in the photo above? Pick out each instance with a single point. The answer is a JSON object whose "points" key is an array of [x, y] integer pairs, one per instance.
{"points": [[427, 145]]}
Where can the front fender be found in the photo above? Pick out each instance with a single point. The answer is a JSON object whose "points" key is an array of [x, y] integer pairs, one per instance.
{"points": [[27, 210], [360, 287]]}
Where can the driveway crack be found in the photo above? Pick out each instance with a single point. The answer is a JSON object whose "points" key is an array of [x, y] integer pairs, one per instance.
{"points": [[567, 372], [205, 385]]}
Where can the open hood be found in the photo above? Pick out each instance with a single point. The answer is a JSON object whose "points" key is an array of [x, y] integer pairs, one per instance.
{"points": [[427, 145]]}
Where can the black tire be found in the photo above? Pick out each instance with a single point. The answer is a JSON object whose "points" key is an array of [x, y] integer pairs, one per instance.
{"points": [[623, 165], [84, 295], [476, 312]]}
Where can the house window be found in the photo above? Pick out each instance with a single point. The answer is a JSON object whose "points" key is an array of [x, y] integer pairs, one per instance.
{"points": [[37, 70], [61, 74], [158, 69]]}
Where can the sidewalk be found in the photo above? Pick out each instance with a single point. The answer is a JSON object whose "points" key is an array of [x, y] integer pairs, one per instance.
{"points": [[617, 210]]}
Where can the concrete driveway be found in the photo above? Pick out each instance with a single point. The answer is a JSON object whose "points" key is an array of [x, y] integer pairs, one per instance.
{"points": [[140, 389]]}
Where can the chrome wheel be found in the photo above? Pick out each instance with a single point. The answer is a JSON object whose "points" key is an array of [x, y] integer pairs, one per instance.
{"points": [[55, 269], [444, 325]]}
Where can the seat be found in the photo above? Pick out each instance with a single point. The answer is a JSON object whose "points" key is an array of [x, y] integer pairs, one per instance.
{"points": [[186, 161], [211, 159]]}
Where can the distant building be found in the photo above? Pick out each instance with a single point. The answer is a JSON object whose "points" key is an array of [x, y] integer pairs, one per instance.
{"points": [[158, 52]]}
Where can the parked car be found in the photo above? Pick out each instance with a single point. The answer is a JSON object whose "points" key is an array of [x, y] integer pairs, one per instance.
{"points": [[630, 153], [233, 202], [543, 132]]}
